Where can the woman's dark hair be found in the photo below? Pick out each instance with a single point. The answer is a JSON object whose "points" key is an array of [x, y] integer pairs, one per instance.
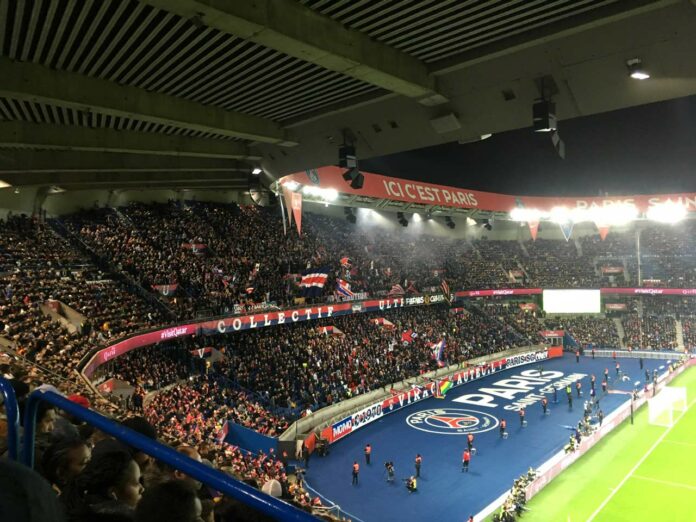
{"points": [[173, 501], [103, 472], [56, 456]]}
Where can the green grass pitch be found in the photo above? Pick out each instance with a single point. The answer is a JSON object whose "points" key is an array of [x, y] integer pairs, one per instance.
{"points": [[637, 473]]}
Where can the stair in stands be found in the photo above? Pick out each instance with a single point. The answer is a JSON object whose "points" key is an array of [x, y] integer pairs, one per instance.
{"points": [[680, 334], [620, 330]]}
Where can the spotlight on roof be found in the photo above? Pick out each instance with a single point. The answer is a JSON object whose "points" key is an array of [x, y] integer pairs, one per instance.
{"points": [[449, 222], [349, 161], [350, 215], [416, 217], [401, 219], [544, 116], [635, 69], [667, 212], [470, 222], [256, 171]]}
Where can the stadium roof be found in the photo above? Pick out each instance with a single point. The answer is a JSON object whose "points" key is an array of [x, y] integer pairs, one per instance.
{"points": [[188, 93]]}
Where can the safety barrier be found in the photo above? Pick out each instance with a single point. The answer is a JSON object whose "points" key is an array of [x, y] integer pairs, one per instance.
{"points": [[12, 412], [218, 481]]}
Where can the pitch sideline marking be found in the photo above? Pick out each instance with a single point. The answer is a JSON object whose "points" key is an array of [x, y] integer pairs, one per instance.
{"points": [[680, 443], [665, 482], [642, 459]]}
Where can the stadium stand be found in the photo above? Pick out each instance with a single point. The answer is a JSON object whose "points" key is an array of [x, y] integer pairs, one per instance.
{"points": [[75, 284]]}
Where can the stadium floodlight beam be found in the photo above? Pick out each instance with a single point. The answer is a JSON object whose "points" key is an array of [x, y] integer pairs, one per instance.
{"points": [[291, 185], [668, 212], [326, 194]]}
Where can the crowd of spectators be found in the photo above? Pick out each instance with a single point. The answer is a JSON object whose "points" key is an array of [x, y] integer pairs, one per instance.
{"points": [[586, 330], [195, 410], [38, 268], [83, 475]]}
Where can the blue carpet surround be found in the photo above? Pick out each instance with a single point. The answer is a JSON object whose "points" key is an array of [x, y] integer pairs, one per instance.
{"points": [[444, 491]]}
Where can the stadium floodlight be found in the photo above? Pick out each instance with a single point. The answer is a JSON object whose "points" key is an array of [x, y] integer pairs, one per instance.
{"points": [[416, 217], [256, 171], [613, 215], [526, 214], [635, 69], [291, 185], [561, 215], [326, 194], [470, 222], [667, 212]]}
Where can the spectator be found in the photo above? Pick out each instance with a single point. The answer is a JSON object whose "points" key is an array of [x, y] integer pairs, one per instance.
{"points": [[171, 501], [107, 489]]}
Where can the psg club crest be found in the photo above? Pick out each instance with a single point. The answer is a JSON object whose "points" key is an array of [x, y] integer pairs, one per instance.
{"points": [[452, 421], [313, 176]]}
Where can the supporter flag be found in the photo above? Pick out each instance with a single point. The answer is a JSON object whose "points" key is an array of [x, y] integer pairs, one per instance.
{"points": [[396, 290], [446, 290], [166, 290], [567, 229], [202, 352], [438, 350], [313, 281], [222, 434], [408, 336], [533, 228], [330, 330], [412, 287], [381, 321], [296, 199], [603, 230], [346, 262], [442, 388], [196, 248], [343, 289]]}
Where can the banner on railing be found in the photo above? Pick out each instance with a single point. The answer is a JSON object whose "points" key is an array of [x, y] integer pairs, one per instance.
{"points": [[498, 292], [609, 270], [649, 291], [272, 318]]}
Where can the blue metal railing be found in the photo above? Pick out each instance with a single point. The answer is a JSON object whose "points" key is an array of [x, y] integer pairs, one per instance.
{"points": [[12, 412], [218, 481]]}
